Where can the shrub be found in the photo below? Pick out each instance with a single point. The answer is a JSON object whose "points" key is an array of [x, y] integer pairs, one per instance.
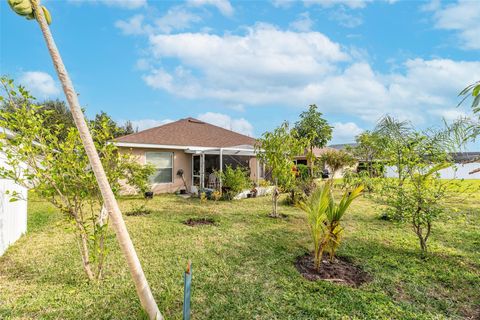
{"points": [[234, 181], [324, 216], [302, 172]]}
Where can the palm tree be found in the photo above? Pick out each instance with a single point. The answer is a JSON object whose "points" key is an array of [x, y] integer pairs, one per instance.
{"points": [[126, 245]]}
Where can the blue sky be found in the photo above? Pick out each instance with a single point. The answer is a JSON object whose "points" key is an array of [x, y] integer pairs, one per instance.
{"points": [[250, 65]]}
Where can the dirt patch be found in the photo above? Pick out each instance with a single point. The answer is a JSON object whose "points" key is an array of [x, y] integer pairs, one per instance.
{"points": [[192, 222], [340, 271]]}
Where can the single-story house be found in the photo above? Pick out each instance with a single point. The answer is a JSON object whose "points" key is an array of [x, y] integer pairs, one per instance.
{"points": [[465, 166], [196, 148], [318, 152], [13, 215]]}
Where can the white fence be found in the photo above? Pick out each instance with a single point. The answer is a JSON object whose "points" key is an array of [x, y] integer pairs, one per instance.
{"points": [[460, 171], [13, 215]]}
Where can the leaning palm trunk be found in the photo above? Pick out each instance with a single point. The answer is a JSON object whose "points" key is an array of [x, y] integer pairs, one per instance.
{"points": [[126, 245]]}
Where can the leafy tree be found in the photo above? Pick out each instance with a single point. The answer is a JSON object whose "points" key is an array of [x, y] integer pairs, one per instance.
{"points": [[324, 216], [58, 169], [102, 119], [278, 149], [416, 196], [315, 130], [336, 160], [56, 114], [369, 149], [31, 9]]}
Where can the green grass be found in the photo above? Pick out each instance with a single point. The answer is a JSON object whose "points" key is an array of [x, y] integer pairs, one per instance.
{"points": [[243, 268]]}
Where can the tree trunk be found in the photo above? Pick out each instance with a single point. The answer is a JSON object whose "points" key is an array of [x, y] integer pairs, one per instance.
{"points": [[126, 245], [312, 159], [275, 200], [83, 245]]}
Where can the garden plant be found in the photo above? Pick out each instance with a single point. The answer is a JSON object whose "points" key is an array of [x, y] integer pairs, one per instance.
{"points": [[31, 9], [324, 216]]}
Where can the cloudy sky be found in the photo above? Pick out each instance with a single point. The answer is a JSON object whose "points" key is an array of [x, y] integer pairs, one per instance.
{"points": [[248, 65]]}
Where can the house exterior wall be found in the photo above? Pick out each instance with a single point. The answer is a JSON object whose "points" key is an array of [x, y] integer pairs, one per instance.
{"points": [[181, 160], [460, 171], [13, 215]]}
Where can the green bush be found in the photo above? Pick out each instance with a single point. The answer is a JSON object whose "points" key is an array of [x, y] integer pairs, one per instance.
{"points": [[303, 171], [234, 181]]}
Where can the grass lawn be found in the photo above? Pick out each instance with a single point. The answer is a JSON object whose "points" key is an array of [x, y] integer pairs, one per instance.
{"points": [[243, 268]]}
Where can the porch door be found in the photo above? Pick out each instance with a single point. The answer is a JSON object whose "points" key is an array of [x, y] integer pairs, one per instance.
{"points": [[198, 170]]}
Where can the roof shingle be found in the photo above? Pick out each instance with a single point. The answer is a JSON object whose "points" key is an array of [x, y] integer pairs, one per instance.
{"points": [[189, 132]]}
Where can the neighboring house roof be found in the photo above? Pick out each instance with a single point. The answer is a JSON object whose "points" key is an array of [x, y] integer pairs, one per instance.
{"points": [[342, 146], [465, 157], [188, 132]]}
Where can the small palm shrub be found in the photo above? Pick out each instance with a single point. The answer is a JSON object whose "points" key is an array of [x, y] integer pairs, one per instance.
{"points": [[324, 216]]}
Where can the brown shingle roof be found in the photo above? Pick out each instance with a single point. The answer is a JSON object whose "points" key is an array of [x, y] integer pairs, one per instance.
{"points": [[189, 132]]}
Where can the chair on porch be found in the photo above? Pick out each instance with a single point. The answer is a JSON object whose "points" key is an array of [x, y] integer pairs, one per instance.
{"points": [[212, 181]]}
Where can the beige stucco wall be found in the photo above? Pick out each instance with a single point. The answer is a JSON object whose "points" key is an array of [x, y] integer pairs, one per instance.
{"points": [[181, 160]]}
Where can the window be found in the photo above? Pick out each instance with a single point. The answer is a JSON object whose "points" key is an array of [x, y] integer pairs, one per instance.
{"points": [[163, 163]]}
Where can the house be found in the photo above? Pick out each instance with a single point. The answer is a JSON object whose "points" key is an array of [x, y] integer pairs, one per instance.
{"points": [[13, 215], [465, 165], [196, 148], [318, 152]]}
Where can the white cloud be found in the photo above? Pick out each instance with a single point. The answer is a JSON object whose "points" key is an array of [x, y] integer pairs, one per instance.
{"points": [[303, 24], [176, 18], [40, 84], [143, 124], [451, 114], [268, 66], [345, 132], [263, 59], [463, 17], [282, 3], [352, 4], [133, 26], [346, 19], [125, 4], [223, 6], [239, 125]]}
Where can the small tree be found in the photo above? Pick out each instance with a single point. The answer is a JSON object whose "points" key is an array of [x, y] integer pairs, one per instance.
{"points": [[58, 170], [315, 130], [416, 196], [278, 149], [336, 160], [369, 149], [324, 216]]}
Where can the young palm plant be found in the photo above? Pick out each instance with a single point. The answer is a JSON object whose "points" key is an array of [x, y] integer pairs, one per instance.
{"points": [[316, 207], [333, 230], [324, 216]]}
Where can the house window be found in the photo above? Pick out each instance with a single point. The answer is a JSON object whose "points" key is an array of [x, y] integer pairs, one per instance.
{"points": [[163, 163]]}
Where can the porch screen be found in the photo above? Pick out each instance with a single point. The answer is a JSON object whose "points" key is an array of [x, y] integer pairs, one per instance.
{"points": [[163, 163]]}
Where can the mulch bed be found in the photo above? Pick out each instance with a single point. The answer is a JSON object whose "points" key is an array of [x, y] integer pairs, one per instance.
{"points": [[340, 271], [192, 222]]}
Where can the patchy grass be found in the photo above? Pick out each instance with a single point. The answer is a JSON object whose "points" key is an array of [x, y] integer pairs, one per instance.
{"points": [[244, 266]]}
